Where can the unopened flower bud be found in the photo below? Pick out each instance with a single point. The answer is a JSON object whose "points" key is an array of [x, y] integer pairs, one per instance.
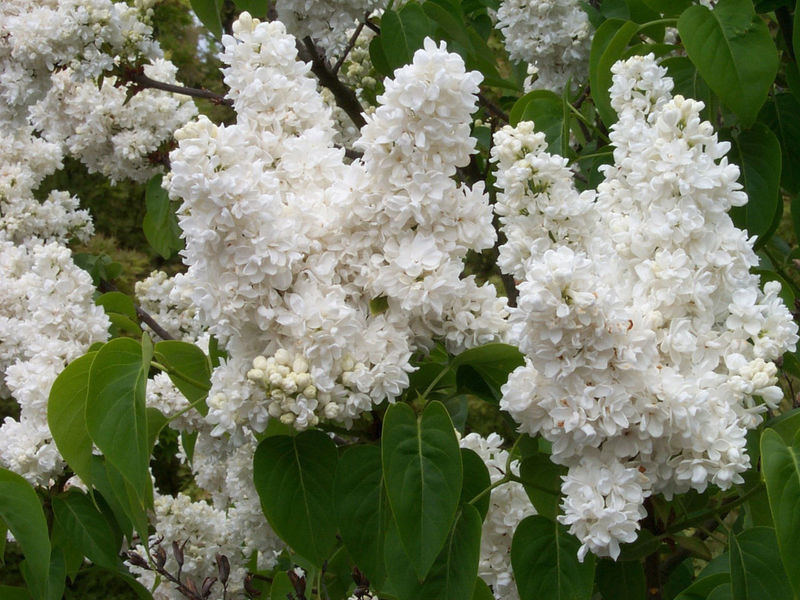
{"points": [[223, 566], [259, 362], [255, 374], [177, 552], [287, 418], [300, 365], [282, 357], [205, 590]]}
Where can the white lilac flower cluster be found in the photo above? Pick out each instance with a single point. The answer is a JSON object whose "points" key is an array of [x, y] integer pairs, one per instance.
{"points": [[108, 131], [25, 160], [348, 269], [552, 36], [358, 74], [508, 506], [203, 532], [648, 341], [327, 22], [52, 56], [47, 318], [168, 300]]}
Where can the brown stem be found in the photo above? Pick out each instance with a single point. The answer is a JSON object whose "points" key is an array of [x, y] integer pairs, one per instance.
{"points": [[493, 108], [350, 44], [144, 316], [138, 77], [652, 571], [344, 96], [786, 26]]}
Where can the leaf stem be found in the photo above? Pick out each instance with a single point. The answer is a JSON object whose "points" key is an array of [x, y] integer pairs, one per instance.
{"points": [[668, 21], [173, 373], [701, 516]]}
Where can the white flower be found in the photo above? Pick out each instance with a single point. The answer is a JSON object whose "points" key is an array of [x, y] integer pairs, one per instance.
{"points": [[647, 339]]}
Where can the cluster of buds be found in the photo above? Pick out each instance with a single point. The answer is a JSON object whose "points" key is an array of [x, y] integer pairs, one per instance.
{"points": [[292, 396], [291, 391], [185, 585]]}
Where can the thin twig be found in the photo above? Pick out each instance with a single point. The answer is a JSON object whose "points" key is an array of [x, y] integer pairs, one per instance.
{"points": [[138, 77], [370, 25], [492, 108], [344, 96], [144, 316], [350, 45]]}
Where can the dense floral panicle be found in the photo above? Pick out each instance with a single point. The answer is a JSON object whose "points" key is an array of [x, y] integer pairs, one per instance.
{"points": [[509, 505], [25, 160], [321, 278], [47, 319], [327, 22], [109, 132], [168, 300], [202, 532], [647, 339], [552, 36], [52, 56]]}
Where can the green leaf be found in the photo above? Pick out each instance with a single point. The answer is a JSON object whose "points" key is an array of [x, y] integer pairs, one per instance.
{"points": [[362, 509], [402, 33], [686, 79], [121, 496], [117, 302], [208, 13], [758, 154], [453, 27], [621, 580], [100, 267], [120, 325], [257, 8], [608, 45], [8, 592], [155, 423], [545, 562], [476, 480], [492, 362], [668, 8], [782, 115], [481, 591], [294, 477], [189, 370], [378, 57], [87, 528], [703, 586], [694, 545], [546, 110], [452, 576], [733, 51], [796, 33], [3, 532], [423, 476], [615, 9], [542, 482], [160, 224], [458, 409], [788, 424], [116, 416], [721, 592], [756, 571], [780, 465], [282, 588], [66, 416], [22, 513], [188, 441]]}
